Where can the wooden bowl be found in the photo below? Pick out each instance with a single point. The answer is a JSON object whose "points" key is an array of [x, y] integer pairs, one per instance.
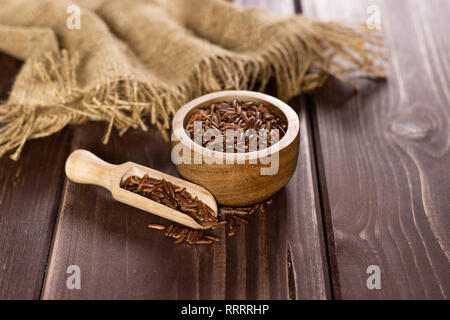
{"points": [[238, 181]]}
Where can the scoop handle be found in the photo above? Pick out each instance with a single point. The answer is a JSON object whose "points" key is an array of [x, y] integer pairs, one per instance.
{"points": [[83, 166]]}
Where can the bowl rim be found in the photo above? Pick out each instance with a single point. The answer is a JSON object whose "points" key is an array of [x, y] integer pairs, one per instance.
{"points": [[292, 119]]}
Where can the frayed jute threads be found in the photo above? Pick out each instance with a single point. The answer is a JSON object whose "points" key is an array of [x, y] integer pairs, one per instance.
{"points": [[51, 90]]}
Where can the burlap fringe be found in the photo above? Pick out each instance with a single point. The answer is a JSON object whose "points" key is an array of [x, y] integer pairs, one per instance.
{"points": [[299, 63]]}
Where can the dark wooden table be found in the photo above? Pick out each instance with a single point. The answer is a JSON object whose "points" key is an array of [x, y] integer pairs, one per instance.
{"points": [[372, 187]]}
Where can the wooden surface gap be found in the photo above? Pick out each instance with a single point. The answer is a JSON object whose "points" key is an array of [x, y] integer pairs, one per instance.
{"points": [[298, 6], [62, 194], [29, 197], [324, 203], [292, 287]]}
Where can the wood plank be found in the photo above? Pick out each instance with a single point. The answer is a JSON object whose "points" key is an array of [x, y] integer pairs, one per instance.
{"points": [[29, 196], [120, 258], [280, 255], [292, 230], [384, 157]]}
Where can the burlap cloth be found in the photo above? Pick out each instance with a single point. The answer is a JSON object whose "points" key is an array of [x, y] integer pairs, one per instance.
{"points": [[134, 62]]}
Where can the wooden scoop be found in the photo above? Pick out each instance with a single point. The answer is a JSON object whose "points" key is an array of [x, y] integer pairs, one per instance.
{"points": [[84, 167]]}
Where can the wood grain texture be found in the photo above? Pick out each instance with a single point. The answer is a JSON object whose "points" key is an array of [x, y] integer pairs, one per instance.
{"points": [[279, 255], [29, 196], [383, 160], [286, 244], [120, 257], [384, 157]]}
